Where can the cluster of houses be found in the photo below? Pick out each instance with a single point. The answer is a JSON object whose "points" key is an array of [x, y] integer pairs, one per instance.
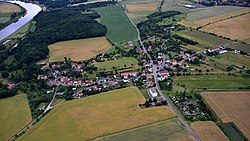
{"points": [[189, 107], [59, 74]]}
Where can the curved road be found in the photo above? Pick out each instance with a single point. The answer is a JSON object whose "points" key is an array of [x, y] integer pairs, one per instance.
{"points": [[157, 84]]}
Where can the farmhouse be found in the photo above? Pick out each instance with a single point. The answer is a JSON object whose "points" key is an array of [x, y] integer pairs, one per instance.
{"points": [[152, 92]]}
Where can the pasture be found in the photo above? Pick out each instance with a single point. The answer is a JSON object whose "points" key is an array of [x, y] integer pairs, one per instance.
{"points": [[170, 129], [15, 114], [231, 107], [234, 28], [97, 116], [212, 82], [120, 29], [118, 63], [208, 131], [78, 50]]}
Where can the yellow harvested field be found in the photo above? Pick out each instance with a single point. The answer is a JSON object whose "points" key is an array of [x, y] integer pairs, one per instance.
{"points": [[213, 19], [188, 24], [140, 7], [96, 116], [15, 114], [222, 17], [78, 50], [8, 7], [234, 28], [231, 107], [208, 131]]}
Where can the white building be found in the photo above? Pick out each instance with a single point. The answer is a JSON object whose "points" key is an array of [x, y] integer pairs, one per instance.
{"points": [[152, 92]]}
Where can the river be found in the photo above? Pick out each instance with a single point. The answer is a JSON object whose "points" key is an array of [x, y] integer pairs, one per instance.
{"points": [[31, 11]]}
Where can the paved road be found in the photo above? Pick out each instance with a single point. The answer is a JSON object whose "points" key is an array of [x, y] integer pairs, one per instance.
{"points": [[157, 84]]}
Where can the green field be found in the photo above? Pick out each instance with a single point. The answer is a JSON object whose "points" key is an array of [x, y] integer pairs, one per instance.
{"points": [[161, 131], [174, 5], [205, 38], [96, 116], [15, 114], [228, 59], [120, 29], [212, 81], [117, 63], [212, 11], [240, 46]]}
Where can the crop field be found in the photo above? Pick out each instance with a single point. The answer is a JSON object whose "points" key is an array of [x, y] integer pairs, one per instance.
{"points": [[8, 7], [234, 28], [153, 2], [170, 129], [231, 107], [208, 131], [120, 29], [78, 50], [118, 63], [15, 114], [97, 116], [138, 11], [196, 19], [213, 81], [213, 11], [140, 7]]}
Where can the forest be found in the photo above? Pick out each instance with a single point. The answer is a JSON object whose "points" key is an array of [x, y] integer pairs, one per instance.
{"points": [[64, 24]]}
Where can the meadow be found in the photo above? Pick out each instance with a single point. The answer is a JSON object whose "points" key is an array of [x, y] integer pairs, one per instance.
{"points": [[15, 114], [212, 81], [118, 63], [208, 131], [234, 28], [120, 29], [231, 107], [170, 129], [96, 116], [78, 50]]}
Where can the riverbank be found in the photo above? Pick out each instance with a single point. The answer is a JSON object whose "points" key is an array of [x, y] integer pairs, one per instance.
{"points": [[31, 11], [10, 13]]}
